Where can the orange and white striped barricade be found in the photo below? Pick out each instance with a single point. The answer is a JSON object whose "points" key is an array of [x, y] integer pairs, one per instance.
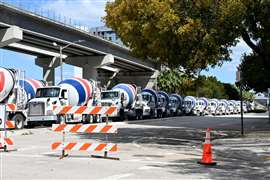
{"points": [[81, 146], [11, 107], [10, 124], [85, 110], [5, 141], [93, 110]]}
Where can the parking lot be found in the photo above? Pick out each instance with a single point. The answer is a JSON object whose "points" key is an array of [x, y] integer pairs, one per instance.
{"points": [[150, 149]]}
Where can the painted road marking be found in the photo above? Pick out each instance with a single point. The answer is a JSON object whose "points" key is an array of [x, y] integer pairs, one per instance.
{"points": [[32, 148], [118, 176], [148, 168]]}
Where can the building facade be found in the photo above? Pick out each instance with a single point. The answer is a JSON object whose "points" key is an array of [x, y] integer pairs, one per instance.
{"points": [[106, 33]]}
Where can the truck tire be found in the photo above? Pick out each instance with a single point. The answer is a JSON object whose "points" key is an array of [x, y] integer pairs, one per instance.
{"points": [[122, 116], [19, 121], [152, 114], [139, 114], [60, 119]]}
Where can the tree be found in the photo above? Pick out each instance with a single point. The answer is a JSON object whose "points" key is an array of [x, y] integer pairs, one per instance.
{"points": [[231, 91], [174, 81], [255, 73], [209, 87], [248, 96], [190, 33]]}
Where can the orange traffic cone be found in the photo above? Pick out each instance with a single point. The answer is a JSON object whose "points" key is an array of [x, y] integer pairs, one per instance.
{"points": [[207, 150]]}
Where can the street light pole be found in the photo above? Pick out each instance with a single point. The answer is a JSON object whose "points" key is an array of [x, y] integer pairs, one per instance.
{"points": [[241, 104], [61, 48], [239, 82], [61, 63]]}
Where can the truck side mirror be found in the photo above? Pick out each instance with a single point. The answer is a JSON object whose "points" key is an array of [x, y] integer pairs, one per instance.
{"points": [[65, 95]]}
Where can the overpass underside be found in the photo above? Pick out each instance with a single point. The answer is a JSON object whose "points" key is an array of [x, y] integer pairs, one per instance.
{"points": [[100, 60]]}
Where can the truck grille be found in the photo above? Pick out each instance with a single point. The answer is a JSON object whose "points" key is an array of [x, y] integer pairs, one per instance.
{"points": [[36, 108]]}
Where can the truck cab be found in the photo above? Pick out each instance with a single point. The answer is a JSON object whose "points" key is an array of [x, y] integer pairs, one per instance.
{"points": [[40, 108], [212, 107], [221, 109], [230, 108], [146, 104], [112, 98], [200, 106], [189, 105], [162, 106]]}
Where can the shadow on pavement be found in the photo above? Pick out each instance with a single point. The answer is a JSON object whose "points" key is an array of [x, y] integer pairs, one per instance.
{"points": [[215, 122], [158, 136], [236, 164]]}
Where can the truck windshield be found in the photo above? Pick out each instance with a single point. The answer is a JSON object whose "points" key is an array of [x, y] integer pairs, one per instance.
{"points": [[109, 95], [172, 102], [161, 100], [146, 97], [47, 92], [187, 103]]}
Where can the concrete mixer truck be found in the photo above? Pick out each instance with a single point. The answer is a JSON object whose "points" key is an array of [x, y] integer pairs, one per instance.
{"points": [[129, 103], [175, 105], [189, 105], [212, 107], [15, 92], [72, 91], [123, 97], [222, 106], [147, 103], [162, 106], [231, 106], [200, 106]]}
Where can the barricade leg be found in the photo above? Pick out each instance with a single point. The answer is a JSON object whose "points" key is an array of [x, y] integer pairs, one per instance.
{"points": [[63, 155], [105, 156]]}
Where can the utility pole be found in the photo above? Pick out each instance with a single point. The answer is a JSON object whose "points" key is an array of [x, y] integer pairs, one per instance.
{"points": [[241, 104], [61, 48], [239, 82]]}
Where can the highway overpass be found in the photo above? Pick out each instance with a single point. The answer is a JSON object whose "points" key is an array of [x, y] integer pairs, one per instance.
{"points": [[102, 60]]}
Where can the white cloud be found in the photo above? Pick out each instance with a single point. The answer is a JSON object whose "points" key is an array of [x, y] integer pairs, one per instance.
{"points": [[237, 52], [226, 73], [87, 12]]}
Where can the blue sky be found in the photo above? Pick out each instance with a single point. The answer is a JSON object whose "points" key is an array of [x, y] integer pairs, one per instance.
{"points": [[88, 13]]}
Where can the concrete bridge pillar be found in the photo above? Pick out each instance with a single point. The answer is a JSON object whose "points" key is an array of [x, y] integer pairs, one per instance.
{"points": [[90, 64], [141, 79], [48, 65]]}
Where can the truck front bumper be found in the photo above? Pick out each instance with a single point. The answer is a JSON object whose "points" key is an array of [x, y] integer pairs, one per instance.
{"points": [[41, 118]]}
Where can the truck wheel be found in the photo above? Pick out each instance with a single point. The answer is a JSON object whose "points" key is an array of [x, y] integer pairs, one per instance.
{"points": [[122, 115], [152, 114], [61, 119], [19, 121]]}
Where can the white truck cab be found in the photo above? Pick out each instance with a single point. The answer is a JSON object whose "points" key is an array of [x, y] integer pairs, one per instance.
{"points": [[145, 106], [40, 108], [113, 98]]}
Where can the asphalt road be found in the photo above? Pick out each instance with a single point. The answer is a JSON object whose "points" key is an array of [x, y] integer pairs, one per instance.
{"points": [[252, 122], [150, 149]]}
